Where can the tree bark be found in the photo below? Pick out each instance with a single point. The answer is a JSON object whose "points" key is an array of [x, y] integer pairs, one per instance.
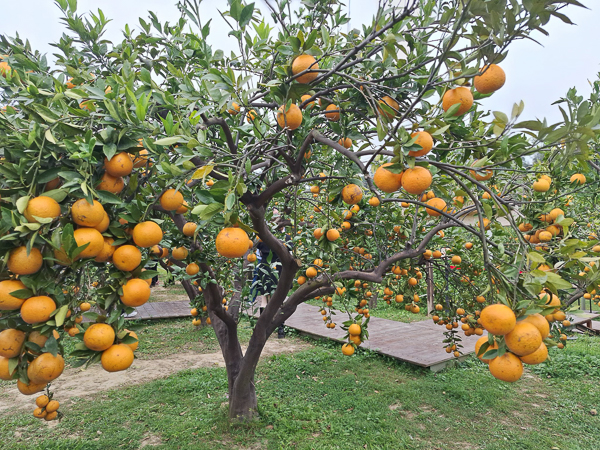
{"points": [[243, 406]]}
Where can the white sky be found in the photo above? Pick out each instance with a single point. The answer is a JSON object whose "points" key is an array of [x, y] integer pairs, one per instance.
{"points": [[535, 74]]}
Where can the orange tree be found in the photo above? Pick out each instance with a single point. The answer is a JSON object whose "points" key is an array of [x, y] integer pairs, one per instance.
{"points": [[354, 157]]}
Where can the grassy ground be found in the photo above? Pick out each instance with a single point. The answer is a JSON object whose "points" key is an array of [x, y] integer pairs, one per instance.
{"points": [[318, 399], [167, 292]]}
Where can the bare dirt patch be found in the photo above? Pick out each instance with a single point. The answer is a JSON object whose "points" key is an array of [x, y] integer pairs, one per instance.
{"points": [[84, 382]]}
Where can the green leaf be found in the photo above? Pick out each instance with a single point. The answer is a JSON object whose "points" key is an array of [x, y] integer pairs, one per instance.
{"points": [[57, 194], [22, 203], [452, 110], [170, 140], [110, 150], [108, 197], [536, 257], [246, 15], [500, 116], [230, 201], [49, 136], [61, 315], [12, 364], [51, 345], [205, 212]]}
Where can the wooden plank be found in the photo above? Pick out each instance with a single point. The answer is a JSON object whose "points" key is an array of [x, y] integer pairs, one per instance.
{"points": [[418, 343]]}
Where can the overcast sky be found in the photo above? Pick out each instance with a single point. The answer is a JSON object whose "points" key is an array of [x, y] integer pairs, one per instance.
{"points": [[538, 75]]}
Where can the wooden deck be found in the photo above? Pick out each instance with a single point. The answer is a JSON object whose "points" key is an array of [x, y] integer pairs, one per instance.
{"points": [[418, 343], [163, 310]]}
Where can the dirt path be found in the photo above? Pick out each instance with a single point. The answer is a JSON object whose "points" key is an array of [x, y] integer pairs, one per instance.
{"points": [[80, 383]]}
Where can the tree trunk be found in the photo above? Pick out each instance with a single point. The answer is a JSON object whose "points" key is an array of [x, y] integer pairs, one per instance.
{"points": [[242, 400]]}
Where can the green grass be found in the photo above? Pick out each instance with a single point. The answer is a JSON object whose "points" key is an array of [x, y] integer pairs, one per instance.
{"points": [[318, 399], [167, 292]]}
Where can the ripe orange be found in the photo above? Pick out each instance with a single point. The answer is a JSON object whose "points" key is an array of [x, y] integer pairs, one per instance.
{"points": [[235, 109], [352, 194], [460, 95], [52, 184], [120, 165], [52, 406], [291, 118], [38, 338], [333, 234], [189, 229], [250, 116], [251, 257], [348, 349], [425, 140], [45, 368], [416, 180], [31, 388], [311, 272], [541, 186], [307, 97], [334, 115], [318, 233], [507, 367], [21, 263], [11, 342], [99, 336], [537, 357], [374, 201], [346, 142], [136, 292], [302, 63], [436, 203], [387, 181], [301, 280], [354, 329], [104, 224], [116, 358], [141, 158], [107, 252], [42, 207], [135, 345], [111, 184], [555, 213], [498, 319], [578, 179], [456, 259], [232, 242], [39, 413], [90, 237], [491, 79], [524, 339], [171, 199], [479, 343], [7, 301], [477, 173], [393, 104], [146, 234], [193, 268], [85, 214], [127, 258], [180, 253], [4, 69], [37, 309], [42, 401]]}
